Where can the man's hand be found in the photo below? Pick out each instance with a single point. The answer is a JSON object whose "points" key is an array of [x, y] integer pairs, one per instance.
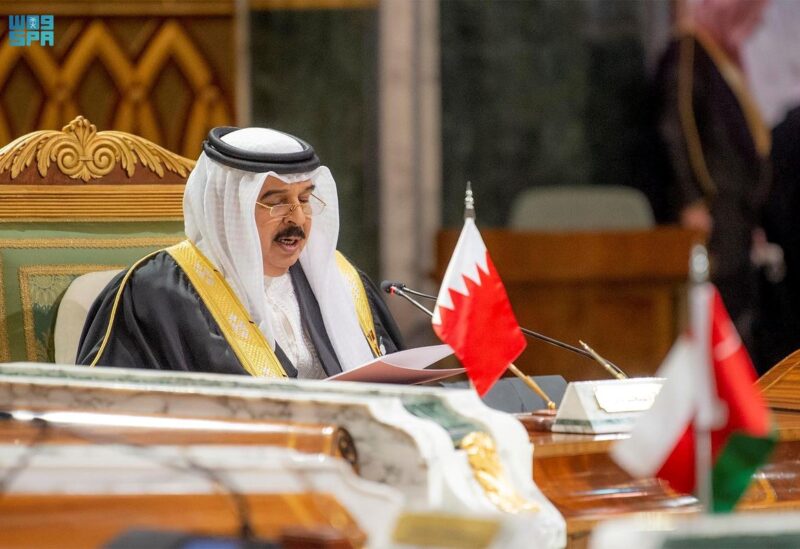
{"points": [[696, 216]]}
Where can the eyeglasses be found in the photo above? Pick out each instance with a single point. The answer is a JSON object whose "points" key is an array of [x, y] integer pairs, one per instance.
{"points": [[313, 207]]}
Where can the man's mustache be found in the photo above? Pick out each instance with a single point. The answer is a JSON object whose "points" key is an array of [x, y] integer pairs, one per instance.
{"points": [[293, 230]]}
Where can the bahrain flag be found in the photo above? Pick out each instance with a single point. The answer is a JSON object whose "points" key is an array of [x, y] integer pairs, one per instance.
{"points": [[473, 314]]}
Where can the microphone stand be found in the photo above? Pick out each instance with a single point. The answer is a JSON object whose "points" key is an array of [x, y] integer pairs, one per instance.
{"points": [[586, 352], [395, 289]]}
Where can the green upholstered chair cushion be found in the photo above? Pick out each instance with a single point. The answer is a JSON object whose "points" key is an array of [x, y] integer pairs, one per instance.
{"points": [[38, 261]]}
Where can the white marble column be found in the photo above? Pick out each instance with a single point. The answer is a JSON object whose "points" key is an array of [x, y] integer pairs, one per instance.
{"points": [[410, 149]]}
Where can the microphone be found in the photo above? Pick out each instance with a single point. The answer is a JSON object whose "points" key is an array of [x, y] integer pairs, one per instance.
{"points": [[394, 287], [398, 288], [388, 285]]}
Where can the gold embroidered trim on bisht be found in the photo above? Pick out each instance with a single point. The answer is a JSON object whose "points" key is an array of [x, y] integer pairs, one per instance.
{"points": [[248, 343], [686, 109], [762, 138], [360, 301]]}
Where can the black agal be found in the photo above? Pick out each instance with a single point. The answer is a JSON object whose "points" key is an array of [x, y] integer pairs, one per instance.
{"points": [[216, 149]]}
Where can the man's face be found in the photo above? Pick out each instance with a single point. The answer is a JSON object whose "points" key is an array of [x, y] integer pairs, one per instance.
{"points": [[282, 238]]}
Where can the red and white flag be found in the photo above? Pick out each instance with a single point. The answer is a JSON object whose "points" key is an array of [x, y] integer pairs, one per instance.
{"points": [[473, 314], [709, 388]]}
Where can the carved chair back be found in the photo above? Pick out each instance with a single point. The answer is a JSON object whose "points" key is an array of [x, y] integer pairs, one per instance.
{"points": [[76, 201]]}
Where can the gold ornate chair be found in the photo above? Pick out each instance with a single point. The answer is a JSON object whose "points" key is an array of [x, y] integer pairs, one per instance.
{"points": [[72, 202]]}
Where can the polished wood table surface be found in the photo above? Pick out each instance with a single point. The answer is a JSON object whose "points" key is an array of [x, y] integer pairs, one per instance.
{"points": [[577, 474], [67, 522], [781, 385], [88, 427]]}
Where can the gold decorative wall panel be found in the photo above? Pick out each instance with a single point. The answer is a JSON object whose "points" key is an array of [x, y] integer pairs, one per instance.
{"points": [[165, 72]]}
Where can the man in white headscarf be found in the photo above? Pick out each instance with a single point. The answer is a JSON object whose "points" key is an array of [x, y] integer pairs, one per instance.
{"points": [[254, 289], [718, 147]]}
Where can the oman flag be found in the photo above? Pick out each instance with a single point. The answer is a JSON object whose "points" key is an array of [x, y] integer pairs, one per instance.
{"points": [[473, 314], [709, 392]]}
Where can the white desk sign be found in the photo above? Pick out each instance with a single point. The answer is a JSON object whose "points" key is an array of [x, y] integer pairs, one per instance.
{"points": [[606, 406]]}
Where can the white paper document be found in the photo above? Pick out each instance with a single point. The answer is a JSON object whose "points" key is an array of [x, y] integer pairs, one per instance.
{"points": [[405, 367]]}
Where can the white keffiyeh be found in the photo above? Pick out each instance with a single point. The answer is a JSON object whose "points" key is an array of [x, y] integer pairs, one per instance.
{"points": [[219, 215]]}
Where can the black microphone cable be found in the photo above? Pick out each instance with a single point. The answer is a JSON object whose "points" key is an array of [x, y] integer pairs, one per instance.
{"points": [[32, 447], [394, 287]]}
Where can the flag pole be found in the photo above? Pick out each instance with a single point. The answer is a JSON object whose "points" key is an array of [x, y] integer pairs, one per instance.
{"points": [[469, 203], [469, 213], [699, 273]]}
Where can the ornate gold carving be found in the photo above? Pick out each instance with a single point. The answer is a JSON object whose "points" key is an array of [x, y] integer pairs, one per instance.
{"points": [[343, 445], [25, 274], [81, 152], [488, 471], [91, 202]]}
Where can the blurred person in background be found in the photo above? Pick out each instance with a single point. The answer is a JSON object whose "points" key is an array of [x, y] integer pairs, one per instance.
{"points": [[718, 146]]}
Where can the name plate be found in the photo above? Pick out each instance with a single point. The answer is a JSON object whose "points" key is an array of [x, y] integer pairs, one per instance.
{"points": [[605, 406], [432, 529], [615, 399]]}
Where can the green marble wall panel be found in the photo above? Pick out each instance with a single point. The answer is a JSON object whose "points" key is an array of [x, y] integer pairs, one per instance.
{"points": [[314, 74], [541, 92]]}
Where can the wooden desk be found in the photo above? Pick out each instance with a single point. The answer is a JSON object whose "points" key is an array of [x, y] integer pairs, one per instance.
{"points": [[80, 521], [80, 428], [91, 520], [622, 292], [577, 474]]}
